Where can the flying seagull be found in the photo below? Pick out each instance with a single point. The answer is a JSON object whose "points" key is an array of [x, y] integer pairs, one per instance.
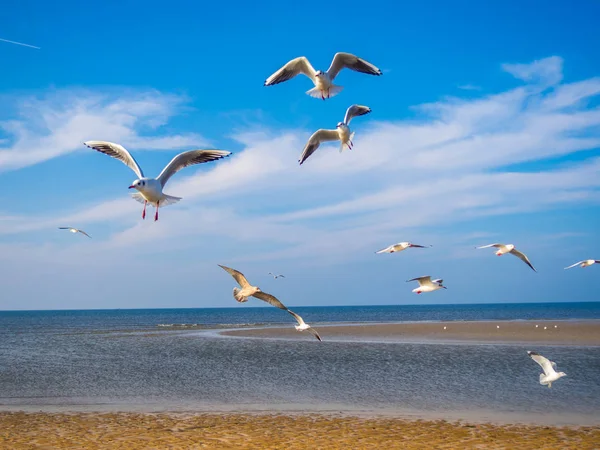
{"points": [[75, 230], [550, 375], [400, 246], [341, 133], [150, 190], [426, 284], [276, 276], [323, 81], [585, 263], [510, 248], [247, 290], [19, 43]]}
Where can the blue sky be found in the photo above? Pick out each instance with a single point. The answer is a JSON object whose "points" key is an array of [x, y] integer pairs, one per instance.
{"points": [[485, 128]]}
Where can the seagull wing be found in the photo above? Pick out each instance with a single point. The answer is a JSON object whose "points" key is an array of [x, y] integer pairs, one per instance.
{"points": [[547, 365], [422, 280], [116, 151], [314, 333], [420, 246], [190, 158], [291, 69], [597, 261], [315, 140], [350, 61], [573, 265], [387, 249], [238, 276], [491, 245], [84, 233], [270, 299], [522, 257], [301, 322], [355, 111]]}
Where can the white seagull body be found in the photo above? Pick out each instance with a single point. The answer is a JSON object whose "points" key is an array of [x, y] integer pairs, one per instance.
{"points": [[150, 190], [75, 230], [510, 248], [426, 284], [247, 290], [323, 81], [341, 133], [550, 375], [399, 247], [584, 263]]}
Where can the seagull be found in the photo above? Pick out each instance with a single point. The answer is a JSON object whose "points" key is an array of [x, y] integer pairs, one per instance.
{"points": [[585, 263], [426, 284], [550, 375], [150, 189], [323, 81], [341, 133], [399, 247], [510, 248], [276, 276], [75, 230], [247, 290]]}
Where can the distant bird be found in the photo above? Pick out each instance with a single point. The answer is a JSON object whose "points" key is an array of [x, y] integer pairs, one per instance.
{"points": [[426, 284], [75, 230], [550, 375], [20, 43], [400, 246], [323, 81], [341, 133], [510, 248], [247, 290], [276, 276], [150, 189], [585, 263]]}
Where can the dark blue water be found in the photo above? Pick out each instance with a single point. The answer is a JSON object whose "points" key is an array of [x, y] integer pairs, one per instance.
{"points": [[122, 359]]}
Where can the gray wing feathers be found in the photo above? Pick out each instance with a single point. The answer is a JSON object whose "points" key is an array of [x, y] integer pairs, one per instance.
{"points": [[189, 158], [118, 152], [270, 299], [291, 69], [341, 60], [315, 140], [238, 276], [355, 111], [523, 258]]}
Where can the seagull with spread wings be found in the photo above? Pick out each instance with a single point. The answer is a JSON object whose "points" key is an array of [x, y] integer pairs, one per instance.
{"points": [[401, 246], [550, 375], [276, 276], [426, 284], [323, 81], [75, 230], [342, 133], [584, 263], [150, 190], [510, 248], [247, 290]]}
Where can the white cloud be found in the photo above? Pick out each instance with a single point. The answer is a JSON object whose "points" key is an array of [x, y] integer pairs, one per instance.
{"points": [[458, 162], [42, 128]]}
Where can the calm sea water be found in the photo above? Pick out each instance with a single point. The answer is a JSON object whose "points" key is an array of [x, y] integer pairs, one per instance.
{"points": [[123, 359]]}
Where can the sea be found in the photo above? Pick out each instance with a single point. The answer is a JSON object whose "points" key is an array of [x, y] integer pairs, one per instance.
{"points": [[177, 360]]}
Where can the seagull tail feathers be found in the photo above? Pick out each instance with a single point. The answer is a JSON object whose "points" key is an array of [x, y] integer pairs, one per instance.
{"points": [[333, 91]]}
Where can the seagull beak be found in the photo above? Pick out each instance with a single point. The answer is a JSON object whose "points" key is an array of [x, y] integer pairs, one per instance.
{"points": [[131, 187]]}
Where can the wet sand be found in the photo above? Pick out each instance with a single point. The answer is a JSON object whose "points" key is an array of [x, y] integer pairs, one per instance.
{"points": [[217, 431], [584, 332]]}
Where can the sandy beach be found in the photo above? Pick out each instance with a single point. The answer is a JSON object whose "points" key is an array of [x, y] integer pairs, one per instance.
{"points": [[555, 333], [216, 431]]}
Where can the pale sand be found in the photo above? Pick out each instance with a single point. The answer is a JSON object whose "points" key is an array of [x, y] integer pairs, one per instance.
{"points": [[584, 332], [217, 431]]}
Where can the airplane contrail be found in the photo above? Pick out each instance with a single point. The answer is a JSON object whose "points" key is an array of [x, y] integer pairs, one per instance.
{"points": [[20, 43]]}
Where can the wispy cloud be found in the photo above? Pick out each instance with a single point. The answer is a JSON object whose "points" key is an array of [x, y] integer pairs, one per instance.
{"points": [[402, 178], [46, 127], [469, 87]]}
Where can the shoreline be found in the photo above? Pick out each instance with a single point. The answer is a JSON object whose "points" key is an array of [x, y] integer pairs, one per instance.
{"points": [[568, 332], [273, 430]]}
